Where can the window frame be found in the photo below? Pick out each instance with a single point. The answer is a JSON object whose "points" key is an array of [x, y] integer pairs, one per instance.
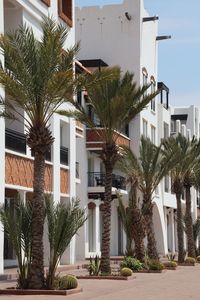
{"points": [[144, 79], [153, 89], [68, 20], [47, 2]]}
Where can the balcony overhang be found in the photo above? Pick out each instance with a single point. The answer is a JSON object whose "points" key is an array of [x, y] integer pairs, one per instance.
{"points": [[94, 141]]}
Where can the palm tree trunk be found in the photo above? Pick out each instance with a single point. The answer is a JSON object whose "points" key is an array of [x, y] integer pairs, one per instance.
{"points": [[138, 232], [180, 229], [189, 224], [37, 265], [105, 250], [138, 227], [148, 216]]}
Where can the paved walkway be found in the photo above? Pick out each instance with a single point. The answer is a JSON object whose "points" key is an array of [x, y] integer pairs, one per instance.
{"points": [[182, 284]]}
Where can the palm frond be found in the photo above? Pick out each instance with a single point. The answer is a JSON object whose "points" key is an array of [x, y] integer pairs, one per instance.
{"points": [[63, 223]]}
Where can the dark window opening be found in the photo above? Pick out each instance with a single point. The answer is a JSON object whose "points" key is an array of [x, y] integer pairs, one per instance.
{"points": [[65, 11]]}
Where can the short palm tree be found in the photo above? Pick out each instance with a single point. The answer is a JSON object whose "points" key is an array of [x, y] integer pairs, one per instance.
{"points": [[132, 217], [38, 77], [183, 153], [115, 102], [63, 222], [17, 227]]}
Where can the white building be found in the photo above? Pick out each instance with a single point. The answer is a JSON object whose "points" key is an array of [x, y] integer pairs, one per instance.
{"points": [[126, 35], [62, 176], [122, 35]]}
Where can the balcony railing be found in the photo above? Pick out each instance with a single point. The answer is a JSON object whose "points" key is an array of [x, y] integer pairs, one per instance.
{"points": [[64, 156], [15, 141], [98, 179]]}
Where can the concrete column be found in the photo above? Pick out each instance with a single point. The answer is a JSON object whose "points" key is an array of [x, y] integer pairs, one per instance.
{"points": [[22, 195], [69, 255], [72, 166], [175, 233], [97, 227], [2, 150], [171, 220], [55, 127]]}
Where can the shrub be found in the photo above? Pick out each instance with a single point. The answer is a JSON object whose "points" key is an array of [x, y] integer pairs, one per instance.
{"points": [[198, 258], [126, 272], [94, 266], [170, 264], [190, 260], [171, 256], [155, 265], [131, 263], [68, 282]]}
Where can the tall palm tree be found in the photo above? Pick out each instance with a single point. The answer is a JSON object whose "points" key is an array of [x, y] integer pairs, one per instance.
{"points": [[148, 169], [193, 163], [132, 217], [184, 154], [38, 77], [115, 102], [153, 167]]}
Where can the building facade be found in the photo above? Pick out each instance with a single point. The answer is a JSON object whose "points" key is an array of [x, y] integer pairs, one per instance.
{"points": [[62, 178], [126, 35]]}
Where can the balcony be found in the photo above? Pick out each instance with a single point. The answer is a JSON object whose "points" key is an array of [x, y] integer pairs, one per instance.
{"points": [[94, 141], [64, 156], [97, 179], [15, 141]]}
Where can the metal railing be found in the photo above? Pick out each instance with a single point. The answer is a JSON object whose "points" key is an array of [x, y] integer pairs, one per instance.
{"points": [[98, 179], [15, 141], [64, 156]]}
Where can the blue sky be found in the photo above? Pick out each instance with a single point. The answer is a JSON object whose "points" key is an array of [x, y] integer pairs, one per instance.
{"points": [[179, 58]]}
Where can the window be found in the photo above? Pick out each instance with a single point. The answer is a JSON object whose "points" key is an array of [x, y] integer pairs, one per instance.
{"points": [[144, 131], [166, 130], [144, 79], [47, 2], [79, 97], [65, 11], [153, 134], [153, 89]]}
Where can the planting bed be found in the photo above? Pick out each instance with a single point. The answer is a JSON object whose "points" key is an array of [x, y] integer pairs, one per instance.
{"points": [[109, 277], [14, 291]]}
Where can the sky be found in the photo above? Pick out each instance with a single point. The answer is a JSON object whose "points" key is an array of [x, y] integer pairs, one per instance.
{"points": [[178, 58]]}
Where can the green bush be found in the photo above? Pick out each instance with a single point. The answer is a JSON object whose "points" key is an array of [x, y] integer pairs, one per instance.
{"points": [[170, 264], [126, 272], [171, 256], [94, 266], [190, 260], [155, 265], [68, 282], [198, 258], [131, 263]]}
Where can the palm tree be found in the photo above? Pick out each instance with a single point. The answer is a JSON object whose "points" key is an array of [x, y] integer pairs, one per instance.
{"points": [[147, 170], [38, 77], [17, 227], [115, 102], [132, 218], [183, 153], [192, 162], [63, 223], [196, 234], [153, 167]]}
